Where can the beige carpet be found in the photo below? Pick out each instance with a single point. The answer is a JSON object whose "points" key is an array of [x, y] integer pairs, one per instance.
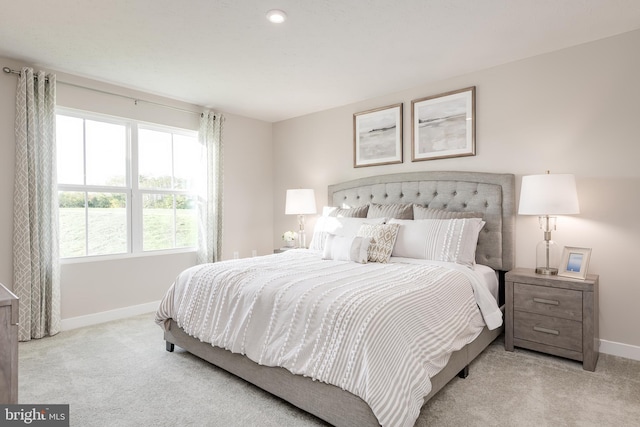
{"points": [[119, 374]]}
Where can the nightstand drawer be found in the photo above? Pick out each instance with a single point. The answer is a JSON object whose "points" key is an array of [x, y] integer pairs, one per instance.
{"points": [[563, 303], [548, 330]]}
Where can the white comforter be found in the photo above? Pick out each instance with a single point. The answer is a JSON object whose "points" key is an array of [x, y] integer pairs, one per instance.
{"points": [[379, 331]]}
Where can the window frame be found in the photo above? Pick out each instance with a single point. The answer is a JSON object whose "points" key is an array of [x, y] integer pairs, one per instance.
{"points": [[134, 195]]}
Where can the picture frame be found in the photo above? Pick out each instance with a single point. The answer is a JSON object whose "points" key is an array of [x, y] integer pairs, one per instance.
{"points": [[444, 125], [377, 136], [574, 262]]}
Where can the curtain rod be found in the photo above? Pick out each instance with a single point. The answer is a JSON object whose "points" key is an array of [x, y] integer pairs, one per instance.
{"points": [[8, 70]]}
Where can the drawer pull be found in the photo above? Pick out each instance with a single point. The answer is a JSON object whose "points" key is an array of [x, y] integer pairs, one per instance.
{"points": [[545, 330], [546, 301]]}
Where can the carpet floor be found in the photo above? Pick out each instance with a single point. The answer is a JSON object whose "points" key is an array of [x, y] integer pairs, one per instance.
{"points": [[119, 374]]}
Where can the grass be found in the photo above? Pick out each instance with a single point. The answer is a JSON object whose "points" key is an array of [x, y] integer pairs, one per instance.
{"points": [[107, 232]]}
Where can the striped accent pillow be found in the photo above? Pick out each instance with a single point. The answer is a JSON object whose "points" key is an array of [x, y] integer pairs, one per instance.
{"points": [[383, 238], [359, 212], [394, 210], [450, 240], [421, 212]]}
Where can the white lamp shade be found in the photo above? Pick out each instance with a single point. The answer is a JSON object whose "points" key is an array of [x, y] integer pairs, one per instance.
{"points": [[300, 202], [549, 194]]}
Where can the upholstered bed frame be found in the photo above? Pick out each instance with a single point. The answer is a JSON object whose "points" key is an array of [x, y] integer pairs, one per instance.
{"points": [[492, 195]]}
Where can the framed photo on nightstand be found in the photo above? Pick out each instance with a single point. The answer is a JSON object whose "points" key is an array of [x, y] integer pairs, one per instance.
{"points": [[575, 262]]}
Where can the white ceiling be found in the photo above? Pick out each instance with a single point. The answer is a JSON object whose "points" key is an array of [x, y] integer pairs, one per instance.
{"points": [[224, 54]]}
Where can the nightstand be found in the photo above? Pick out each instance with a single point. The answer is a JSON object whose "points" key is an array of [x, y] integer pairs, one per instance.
{"points": [[8, 346], [283, 249], [552, 314]]}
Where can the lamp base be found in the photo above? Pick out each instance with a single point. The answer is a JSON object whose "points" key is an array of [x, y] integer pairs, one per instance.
{"points": [[302, 237], [547, 256], [547, 271]]}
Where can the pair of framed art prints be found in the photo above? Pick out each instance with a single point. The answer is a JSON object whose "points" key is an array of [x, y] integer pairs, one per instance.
{"points": [[442, 126]]}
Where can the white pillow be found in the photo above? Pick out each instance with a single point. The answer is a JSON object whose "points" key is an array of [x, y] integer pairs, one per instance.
{"points": [[341, 248], [450, 240], [346, 227]]}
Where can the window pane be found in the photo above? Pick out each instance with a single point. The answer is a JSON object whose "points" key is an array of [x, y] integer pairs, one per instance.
{"points": [[157, 222], [72, 224], [70, 150], [186, 222], [106, 153], [187, 158], [107, 216], [154, 159], [94, 156]]}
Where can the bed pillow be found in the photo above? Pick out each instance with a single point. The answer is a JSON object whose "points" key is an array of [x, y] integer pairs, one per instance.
{"points": [[359, 212], [383, 238], [450, 240], [421, 212], [396, 210], [340, 248], [346, 227]]}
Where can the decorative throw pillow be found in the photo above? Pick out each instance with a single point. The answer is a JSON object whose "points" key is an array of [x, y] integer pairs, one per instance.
{"points": [[342, 248], [421, 212], [397, 210], [359, 212], [450, 240], [347, 227], [383, 238]]}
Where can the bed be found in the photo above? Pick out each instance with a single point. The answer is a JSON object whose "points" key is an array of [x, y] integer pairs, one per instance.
{"points": [[488, 195]]}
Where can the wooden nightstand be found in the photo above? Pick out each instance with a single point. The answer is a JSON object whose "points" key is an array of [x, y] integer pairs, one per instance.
{"points": [[551, 314], [8, 346], [282, 249]]}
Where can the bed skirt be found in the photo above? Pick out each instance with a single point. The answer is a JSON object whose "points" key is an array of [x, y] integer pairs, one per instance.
{"points": [[326, 401]]}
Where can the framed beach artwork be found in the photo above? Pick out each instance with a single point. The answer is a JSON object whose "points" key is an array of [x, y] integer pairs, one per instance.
{"points": [[444, 125], [575, 262], [377, 136]]}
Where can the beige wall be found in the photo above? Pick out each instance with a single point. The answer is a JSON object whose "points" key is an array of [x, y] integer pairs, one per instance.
{"points": [[572, 111], [98, 286]]}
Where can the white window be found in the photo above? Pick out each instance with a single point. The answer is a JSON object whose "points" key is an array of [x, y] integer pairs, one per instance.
{"points": [[125, 186]]}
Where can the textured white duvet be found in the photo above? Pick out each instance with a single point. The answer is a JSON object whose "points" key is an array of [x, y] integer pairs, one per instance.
{"points": [[379, 331]]}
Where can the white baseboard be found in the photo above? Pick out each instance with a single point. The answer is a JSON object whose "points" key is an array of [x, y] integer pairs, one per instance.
{"points": [[618, 349], [107, 316]]}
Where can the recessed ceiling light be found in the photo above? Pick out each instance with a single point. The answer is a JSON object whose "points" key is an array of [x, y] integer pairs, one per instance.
{"points": [[276, 16]]}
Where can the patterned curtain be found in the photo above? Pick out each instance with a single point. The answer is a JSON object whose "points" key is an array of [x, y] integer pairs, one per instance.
{"points": [[210, 203], [35, 216]]}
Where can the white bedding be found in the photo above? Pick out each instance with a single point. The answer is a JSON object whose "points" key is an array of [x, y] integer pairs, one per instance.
{"points": [[380, 331]]}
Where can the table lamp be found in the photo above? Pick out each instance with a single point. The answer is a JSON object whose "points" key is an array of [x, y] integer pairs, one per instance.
{"points": [[300, 202], [547, 195]]}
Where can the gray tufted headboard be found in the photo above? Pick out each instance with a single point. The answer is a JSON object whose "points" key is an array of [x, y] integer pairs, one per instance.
{"points": [[491, 194]]}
